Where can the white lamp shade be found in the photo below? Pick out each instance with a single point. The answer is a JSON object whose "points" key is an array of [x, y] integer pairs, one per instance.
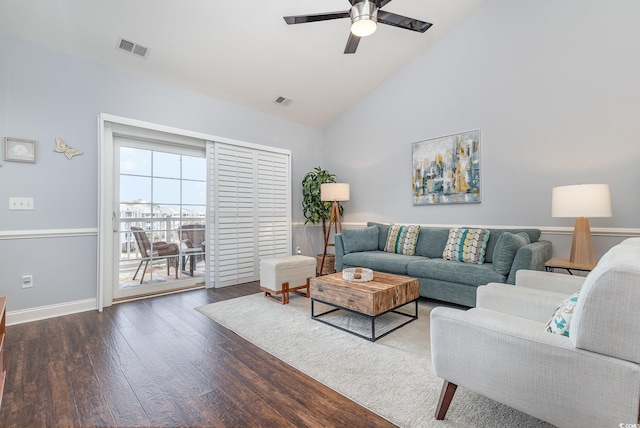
{"points": [[582, 200], [334, 192]]}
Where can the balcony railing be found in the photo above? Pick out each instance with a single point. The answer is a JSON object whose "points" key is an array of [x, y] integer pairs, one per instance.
{"points": [[167, 229]]}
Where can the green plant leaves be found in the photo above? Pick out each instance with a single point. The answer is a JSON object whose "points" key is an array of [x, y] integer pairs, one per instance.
{"points": [[313, 208]]}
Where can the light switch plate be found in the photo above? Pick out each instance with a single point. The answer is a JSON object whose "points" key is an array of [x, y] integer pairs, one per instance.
{"points": [[20, 203]]}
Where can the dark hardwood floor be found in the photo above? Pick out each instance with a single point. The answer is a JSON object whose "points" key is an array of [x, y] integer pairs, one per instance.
{"points": [[159, 363]]}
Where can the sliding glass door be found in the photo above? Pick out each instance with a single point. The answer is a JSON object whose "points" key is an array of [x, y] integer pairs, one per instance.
{"points": [[181, 210], [160, 193]]}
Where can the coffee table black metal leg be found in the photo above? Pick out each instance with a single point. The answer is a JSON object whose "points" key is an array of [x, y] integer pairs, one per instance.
{"points": [[373, 328]]}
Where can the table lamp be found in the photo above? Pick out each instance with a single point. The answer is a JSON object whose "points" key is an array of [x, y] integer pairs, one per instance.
{"points": [[581, 201], [333, 192]]}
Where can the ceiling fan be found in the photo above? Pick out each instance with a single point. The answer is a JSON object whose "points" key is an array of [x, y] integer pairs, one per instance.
{"points": [[364, 14]]}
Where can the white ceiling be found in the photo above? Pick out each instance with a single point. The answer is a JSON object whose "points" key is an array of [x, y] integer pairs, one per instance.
{"points": [[239, 51]]}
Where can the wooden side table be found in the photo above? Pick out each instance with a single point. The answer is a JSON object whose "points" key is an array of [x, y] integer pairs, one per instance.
{"points": [[557, 263]]}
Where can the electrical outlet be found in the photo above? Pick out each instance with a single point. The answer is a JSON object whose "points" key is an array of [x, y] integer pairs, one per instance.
{"points": [[20, 203], [298, 251], [27, 281]]}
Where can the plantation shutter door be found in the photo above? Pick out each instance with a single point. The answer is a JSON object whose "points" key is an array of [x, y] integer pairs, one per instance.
{"points": [[235, 210], [274, 236], [248, 210]]}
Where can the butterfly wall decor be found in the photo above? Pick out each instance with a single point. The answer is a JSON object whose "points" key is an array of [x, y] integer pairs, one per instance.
{"points": [[62, 147]]}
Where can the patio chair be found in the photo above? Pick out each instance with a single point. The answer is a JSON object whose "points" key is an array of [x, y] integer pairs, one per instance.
{"points": [[193, 233], [159, 250], [192, 242]]}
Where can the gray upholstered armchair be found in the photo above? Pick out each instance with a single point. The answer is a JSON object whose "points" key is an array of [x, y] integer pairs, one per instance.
{"points": [[501, 349]]}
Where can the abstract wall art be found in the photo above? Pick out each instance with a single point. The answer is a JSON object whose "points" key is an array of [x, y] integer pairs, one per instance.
{"points": [[446, 170]]}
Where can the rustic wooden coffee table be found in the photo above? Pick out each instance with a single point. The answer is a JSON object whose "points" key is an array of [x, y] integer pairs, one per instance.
{"points": [[385, 293]]}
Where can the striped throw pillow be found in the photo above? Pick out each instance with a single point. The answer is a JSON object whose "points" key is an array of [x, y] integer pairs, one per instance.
{"points": [[402, 239], [466, 245]]}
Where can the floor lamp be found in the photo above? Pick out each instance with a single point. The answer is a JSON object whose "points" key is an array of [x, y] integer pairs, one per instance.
{"points": [[333, 192], [581, 201]]}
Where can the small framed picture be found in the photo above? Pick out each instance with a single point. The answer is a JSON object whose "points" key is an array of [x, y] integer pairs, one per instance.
{"points": [[18, 150]]}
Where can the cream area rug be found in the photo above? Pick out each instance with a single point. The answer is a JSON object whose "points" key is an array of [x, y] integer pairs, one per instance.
{"points": [[392, 377]]}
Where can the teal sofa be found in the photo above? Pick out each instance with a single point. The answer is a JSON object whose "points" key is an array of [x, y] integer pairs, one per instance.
{"points": [[446, 280]]}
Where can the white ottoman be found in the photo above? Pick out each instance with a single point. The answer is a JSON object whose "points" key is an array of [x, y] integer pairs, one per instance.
{"points": [[281, 275]]}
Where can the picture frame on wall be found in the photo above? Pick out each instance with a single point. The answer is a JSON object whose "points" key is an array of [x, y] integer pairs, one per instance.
{"points": [[446, 170], [19, 150]]}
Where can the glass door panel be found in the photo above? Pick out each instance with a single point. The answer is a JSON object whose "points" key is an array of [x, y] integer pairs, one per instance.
{"points": [[162, 200]]}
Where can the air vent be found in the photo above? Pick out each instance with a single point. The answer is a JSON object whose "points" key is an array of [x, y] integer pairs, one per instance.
{"points": [[133, 48], [283, 101]]}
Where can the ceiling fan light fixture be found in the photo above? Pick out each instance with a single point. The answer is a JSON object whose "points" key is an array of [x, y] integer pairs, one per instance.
{"points": [[364, 18]]}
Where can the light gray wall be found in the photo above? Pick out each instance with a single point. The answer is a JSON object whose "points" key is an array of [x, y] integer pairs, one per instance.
{"points": [[46, 94], [553, 87]]}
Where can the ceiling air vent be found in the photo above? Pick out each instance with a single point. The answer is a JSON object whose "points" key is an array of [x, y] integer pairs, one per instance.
{"points": [[133, 48], [283, 101]]}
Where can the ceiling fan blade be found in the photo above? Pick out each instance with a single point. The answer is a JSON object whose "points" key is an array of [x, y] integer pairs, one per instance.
{"points": [[301, 19], [352, 44], [403, 22]]}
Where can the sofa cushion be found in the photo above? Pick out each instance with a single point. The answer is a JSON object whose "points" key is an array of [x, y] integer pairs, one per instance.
{"points": [[534, 236], [402, 239], [380, 261], [453, 271], [505, 251], [431, 242], [466, 245], [355, 240], [561, 319], [383, 232]]}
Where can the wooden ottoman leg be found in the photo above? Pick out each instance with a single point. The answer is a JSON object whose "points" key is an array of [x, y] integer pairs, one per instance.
{"points": [[285, 293], [308, 284], [269, 294]]}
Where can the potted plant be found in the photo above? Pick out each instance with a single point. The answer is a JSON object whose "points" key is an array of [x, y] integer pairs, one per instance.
{"points": [[314, 209]]}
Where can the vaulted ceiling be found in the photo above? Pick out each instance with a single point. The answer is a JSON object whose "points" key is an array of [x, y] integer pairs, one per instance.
{"points": [[239, 51]]}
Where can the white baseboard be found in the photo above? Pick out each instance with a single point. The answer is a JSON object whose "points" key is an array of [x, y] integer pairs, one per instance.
{"points": [[50, 311]]}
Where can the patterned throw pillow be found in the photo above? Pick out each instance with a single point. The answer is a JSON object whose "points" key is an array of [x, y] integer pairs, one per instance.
{"points": [[402, 239], [466, 245], [561, 319]]}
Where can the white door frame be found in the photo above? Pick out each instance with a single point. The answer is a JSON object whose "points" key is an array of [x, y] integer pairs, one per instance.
{"points": [[106, 220]]}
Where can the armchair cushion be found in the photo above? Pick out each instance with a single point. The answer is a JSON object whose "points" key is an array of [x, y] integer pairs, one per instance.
{"points": [[522, 302], [560, 322], [549, 281]]}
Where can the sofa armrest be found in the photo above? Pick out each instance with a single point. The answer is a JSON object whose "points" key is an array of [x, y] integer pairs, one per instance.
{"points": [[532, 256], [523, 302], [339, 248], [549, 281]]}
